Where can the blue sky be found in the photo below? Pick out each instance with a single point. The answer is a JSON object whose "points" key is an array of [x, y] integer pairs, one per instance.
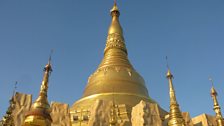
{"points": [[189, 32]]}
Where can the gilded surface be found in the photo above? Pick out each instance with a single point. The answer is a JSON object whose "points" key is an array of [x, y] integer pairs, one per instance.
{"points": [[187, 119], [115, 95], [22, 105], [60, 114], [216, 108], [115, 76], [204, 120], [40, 110], [19, 105], [113, 115], [147, 114], [100, 112], [175, 115]]}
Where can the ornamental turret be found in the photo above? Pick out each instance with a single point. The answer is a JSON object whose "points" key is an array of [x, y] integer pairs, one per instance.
{"points": [[175, 115], [39, 113], [216, 108]]}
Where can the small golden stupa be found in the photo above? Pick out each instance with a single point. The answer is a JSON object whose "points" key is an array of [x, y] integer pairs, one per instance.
{"points": [[216, 108], [175, 115], [39, 114]]}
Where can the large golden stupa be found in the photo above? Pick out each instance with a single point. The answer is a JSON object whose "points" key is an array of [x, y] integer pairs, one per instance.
{"points": [[115, 78], [115, 95]]}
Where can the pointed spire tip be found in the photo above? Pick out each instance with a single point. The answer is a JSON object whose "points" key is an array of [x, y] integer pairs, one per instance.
{"points": [[210, 78], [49, 59], [169, 74], [213, 91], [48, 66], [115, 9], [15, 87]]}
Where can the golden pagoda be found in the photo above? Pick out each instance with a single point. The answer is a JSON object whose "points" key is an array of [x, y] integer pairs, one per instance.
{"points": [[175, 115], [216, 108], [115, 95], [39, 114], [115, 73]]}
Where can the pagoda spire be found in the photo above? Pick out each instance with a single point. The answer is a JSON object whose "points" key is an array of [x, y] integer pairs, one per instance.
{"points": [[115, 37], [40, 109], [216, 108], [115, 52], [175, 116]]}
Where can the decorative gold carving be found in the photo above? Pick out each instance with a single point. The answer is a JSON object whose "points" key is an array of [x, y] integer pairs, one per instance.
{"points": [[114, 68], [99, 114], [115, 41], [81, 116], [117, 69], [113, 115], [22, 106], [60, 114], [147, 114], [123, 115]]}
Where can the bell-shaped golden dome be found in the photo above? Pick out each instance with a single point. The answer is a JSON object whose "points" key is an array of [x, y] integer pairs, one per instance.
{"points": [[115, 77]]}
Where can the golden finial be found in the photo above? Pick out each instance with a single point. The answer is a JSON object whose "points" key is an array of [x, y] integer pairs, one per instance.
{"points": [[115, 37], [48, 66], [115, 24], [169, 74], [115, 9], [175, 115], [216, 108], [213, 91], [40, 109]]}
